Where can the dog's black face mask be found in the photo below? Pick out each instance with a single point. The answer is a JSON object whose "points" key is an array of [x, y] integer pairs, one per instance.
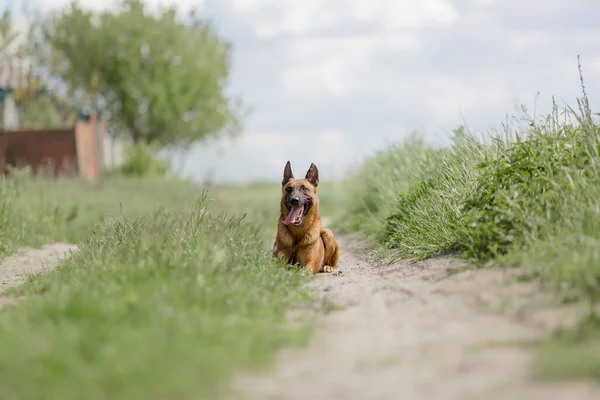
{"points": [[298, 201], [298, 193]]}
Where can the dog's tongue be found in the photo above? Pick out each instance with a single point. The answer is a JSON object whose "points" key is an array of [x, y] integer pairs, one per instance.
{"points": [[293, 215]]}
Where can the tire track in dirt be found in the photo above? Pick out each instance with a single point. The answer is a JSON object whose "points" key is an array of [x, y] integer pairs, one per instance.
{"points": [[16, 268], [423, 330]]}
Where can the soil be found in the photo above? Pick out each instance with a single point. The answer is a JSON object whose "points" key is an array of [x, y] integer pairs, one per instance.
{"points": [[15, 269], [406, 330], [422, 330]]}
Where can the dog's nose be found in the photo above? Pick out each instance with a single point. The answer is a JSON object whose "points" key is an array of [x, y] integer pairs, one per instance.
{"points": [[295, 201]]}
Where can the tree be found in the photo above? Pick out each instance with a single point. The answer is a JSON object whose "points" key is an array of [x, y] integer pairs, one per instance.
{"points": [[38, 109], [160, 78], [7, 34], [46, 110]]}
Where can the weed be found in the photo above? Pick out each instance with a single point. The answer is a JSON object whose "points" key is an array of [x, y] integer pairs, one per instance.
{"points": [[373, 190], [427, 219], [528, 197], [571, 354], [161, 306]]}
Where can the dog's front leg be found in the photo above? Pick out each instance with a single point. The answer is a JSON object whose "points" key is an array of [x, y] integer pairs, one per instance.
{"points": [[311, 258], [279, 250], [313, 266], [283, 254], [276, 251]]}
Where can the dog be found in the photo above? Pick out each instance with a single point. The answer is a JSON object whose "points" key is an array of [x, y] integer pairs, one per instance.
{"points": [[300, 237]]}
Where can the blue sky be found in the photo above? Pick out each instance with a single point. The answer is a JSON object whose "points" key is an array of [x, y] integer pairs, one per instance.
{"points": [[331, 81]]}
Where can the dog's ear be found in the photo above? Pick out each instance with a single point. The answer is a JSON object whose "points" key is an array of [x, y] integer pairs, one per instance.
{"points": [[287, 174], [312, 175]]}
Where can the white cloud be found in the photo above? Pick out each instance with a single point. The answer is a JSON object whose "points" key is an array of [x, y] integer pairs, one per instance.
{"points": [[524, 41], [338, 67], [447, 96], [321, 62], [273, 18], [184, 5], [594, 65], [264, 155], [483, 3]]}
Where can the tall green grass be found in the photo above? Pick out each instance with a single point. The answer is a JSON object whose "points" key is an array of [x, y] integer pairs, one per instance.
{"points": [[167, 298], [426, 219], [167, 305], [529, 196], [21, 225], [34, 211], [371, 192], [38, 211]]}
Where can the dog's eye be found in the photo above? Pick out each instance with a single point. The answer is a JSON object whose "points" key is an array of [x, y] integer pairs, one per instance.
{"points": [[304, 189], [288, 189]]}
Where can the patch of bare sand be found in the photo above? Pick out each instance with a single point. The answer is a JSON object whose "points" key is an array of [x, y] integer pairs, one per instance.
{"points": [[422, 330], [16, 268]]}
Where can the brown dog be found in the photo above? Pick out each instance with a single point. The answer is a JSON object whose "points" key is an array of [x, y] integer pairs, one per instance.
{"points": [[300, 237]]}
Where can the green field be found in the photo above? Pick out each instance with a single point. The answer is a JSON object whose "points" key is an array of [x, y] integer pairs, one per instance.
{"points": [[171, 292]]}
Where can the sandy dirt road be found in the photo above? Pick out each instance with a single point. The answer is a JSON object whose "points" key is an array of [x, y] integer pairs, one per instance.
{"points": [[411, 330], [16, 268], [419, 330]]}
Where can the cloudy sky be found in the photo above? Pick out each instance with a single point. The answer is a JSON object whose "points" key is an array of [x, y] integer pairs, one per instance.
{"points": [[331, 81]]}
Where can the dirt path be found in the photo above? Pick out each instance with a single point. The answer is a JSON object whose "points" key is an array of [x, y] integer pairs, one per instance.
{"points": [[15, 269], [419, 330], [411, 330]]}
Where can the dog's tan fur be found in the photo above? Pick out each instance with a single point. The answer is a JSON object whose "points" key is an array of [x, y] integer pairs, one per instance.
{"points": [[308, 244]]}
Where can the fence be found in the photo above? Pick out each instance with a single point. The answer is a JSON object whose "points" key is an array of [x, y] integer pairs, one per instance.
{"points": [[69, 152]]}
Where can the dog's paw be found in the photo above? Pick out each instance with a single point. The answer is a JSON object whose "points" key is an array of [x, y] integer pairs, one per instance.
{"points": [[327, 268]]}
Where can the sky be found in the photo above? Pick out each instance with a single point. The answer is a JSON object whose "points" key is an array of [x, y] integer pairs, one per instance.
{"points": [[333, 81]]}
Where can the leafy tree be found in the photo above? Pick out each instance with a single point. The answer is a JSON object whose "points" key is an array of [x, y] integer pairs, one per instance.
{"points": [[7, 34], [38, 109], [46, 110], [159, 77]]}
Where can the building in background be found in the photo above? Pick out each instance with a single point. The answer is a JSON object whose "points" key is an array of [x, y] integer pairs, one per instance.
{"points": [[68, 152]]}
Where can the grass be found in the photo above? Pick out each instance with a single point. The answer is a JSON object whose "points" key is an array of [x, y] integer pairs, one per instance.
{"points": [[526, 197], [572, 354], [169, 295], [34, 211], [375, 186], [260, 203]]}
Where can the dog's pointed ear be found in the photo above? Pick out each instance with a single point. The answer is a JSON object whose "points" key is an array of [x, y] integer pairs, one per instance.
{"points": [[312, 175], [287, 173]]}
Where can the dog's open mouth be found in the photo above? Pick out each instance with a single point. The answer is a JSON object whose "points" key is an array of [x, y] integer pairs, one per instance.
{"points": [[296, 214]]}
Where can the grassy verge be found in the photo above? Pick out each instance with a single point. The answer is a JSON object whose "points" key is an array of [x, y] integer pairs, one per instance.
{"points": [[34, 212], [528, 197], [259, 202], [166, 299]]}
